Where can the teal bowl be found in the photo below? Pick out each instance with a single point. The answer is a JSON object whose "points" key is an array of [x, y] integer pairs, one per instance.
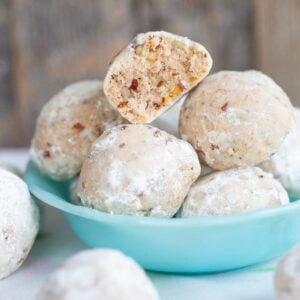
{"points": [[193, 245]]}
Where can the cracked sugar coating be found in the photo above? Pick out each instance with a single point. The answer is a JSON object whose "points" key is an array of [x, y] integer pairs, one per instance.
{"points": [[152, 73], [67, 126], [19, 222], [236, 119], [287, 276], [138, 170], [285, 164], [99, 274], [232, 192]]}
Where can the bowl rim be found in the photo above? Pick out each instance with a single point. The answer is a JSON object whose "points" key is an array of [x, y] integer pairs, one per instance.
{"points": [[95, 215]]}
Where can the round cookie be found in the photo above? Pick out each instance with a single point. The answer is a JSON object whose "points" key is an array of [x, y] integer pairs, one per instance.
{"points": [[99, 274], [285, 163], [232, 192], [287, 276], [152, 73], [67, 126], [236, 119], [138, 170], [19, 222]]}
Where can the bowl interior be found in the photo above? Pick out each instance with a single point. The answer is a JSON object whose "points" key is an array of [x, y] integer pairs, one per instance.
{"points": [[57, 194], [181, 245]]}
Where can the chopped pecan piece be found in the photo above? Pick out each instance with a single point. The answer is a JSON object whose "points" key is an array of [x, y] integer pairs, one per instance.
{"points": [[122, 104], [78, 126], [213, 147], [224, 106], [46, 154], [134, 84]]}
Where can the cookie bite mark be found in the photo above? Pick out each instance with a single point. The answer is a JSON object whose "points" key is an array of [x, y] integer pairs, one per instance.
{"points": [[152, 73]]}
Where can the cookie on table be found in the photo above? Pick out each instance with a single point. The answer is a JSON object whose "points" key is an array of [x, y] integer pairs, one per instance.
{"points": [[138, 170], [287, 276], [19, 222], [67, 126], [99, 274], [236, 119], [152, 73], [232, 192], [285, 163]]}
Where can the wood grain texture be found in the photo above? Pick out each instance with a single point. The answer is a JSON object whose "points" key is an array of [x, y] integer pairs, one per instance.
{"points": [[55, 43], [277, 43], [7, 124]]}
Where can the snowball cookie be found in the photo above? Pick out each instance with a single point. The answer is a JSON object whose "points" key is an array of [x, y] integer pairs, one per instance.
{"points": [[67, 126], [285, 164], [138, 170], [236, 119], [232, 192], [99, 274], [152, 73], [73, 191], [19, 222], [287, 276]]}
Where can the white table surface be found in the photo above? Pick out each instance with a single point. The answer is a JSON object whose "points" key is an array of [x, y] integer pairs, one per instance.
{"points": [[57, 242]]}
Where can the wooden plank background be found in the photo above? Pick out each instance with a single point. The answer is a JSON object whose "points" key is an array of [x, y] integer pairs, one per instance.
{"points": [[45, 45]]}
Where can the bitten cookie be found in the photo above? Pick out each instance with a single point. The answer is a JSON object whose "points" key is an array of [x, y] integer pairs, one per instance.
{"points": [[287, 276], [232, 192], [285, 164], [19, 222], [138, 170], [236, 119], [99, 274], [152, 73], [67, 126]]}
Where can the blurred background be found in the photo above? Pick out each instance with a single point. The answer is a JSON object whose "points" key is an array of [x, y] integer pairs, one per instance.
{"points": [[45, 45]]}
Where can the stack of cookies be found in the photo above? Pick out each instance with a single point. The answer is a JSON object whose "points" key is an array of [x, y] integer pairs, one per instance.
{"points": [[230, 122]]}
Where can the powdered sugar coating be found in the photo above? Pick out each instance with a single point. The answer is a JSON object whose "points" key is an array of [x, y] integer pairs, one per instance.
{"points": [[99, 274], [152, 73], [67, 126], [287, 276], [138, 170], [233, 191], [285, 163], [19, 222], [236, 119]]}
